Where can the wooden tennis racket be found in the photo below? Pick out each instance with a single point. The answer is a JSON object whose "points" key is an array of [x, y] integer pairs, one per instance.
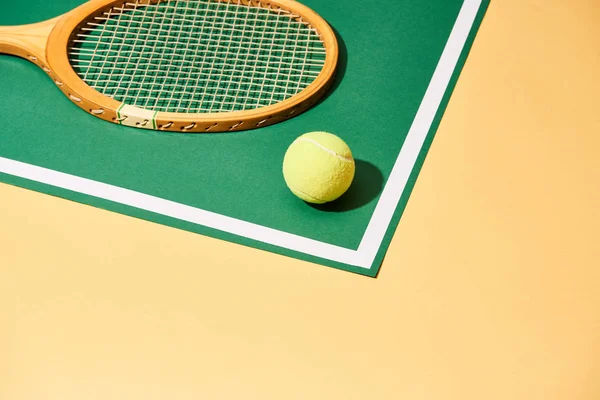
{"points": [[184, 65]]}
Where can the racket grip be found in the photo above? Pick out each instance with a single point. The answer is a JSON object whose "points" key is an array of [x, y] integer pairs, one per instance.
{"points": [[27, 41]]}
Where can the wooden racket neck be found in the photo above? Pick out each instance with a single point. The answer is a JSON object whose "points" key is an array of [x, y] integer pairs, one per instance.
{"points": [[27, 41]]}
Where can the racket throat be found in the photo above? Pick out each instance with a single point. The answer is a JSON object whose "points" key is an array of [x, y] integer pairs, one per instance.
{"points": [[27, 41]]}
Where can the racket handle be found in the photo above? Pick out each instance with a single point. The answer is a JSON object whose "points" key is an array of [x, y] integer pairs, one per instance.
{"points": [[27, 41]]}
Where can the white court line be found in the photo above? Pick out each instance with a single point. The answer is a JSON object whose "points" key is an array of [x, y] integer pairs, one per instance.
{"points": [[178, 211], [384, 211], [393, 190]]}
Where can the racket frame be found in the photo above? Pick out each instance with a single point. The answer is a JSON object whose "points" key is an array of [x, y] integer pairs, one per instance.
{"points": [[46, 44]]}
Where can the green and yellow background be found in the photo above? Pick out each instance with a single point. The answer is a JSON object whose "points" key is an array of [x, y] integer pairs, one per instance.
{"points": [[489, 289]]}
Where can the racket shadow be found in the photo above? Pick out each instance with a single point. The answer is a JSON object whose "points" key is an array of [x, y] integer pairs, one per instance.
{"points": [[340, 70], [366, 187]]}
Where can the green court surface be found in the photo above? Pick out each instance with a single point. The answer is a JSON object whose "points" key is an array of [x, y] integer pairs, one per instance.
{"points": [[399, 61]]}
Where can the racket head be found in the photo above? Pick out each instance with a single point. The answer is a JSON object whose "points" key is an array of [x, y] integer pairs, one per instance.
{"points": [[66, 35]]}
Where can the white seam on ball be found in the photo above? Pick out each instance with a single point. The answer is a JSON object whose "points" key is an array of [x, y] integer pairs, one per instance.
{"points": [[307, 195], [341, 157]]}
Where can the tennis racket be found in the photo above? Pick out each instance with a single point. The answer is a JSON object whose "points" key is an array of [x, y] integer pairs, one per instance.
{"points": [[184, 65]]}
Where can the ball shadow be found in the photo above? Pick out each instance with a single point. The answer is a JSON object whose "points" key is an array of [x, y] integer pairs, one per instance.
{"points": [[366, 186]]}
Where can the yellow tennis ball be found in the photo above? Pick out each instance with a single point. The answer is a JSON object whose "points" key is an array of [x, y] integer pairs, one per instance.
{"points": [[318, 167]]}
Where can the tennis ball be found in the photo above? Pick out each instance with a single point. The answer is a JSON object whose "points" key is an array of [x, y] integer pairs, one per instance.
{"points": [[318, 167]]}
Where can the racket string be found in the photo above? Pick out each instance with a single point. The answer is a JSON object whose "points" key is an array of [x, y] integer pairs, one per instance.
{"points": [[197, 55], [151, 102]]}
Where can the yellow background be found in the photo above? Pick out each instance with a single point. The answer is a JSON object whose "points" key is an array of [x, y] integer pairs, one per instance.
{"points": [[490, 289]]}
